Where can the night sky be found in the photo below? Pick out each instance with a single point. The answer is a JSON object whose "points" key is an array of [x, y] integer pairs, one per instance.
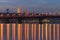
{"points": [[31, 5]]}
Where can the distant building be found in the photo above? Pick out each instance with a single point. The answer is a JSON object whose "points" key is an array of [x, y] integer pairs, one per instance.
{"points": [[18, 10]]}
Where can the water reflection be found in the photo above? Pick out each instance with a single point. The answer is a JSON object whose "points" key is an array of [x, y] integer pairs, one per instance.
{"points": [[13, 31], [38, 31], [32, 31], [54, 31], [8, 30], [1, 31], [42, 31], [19, 31], [50, 31], [27, 32], [47, 31], [57, 31], [34, 26]]}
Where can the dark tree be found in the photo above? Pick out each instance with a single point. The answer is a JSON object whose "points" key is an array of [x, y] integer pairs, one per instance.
{"points": [[7, 10]]}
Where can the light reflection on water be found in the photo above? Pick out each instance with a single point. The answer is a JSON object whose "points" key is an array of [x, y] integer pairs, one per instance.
{"points": [[1, 31], [28, 31], [8, 30]]}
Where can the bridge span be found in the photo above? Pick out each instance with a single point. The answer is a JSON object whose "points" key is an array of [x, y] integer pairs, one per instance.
{"points": [[20, 17], [28, 15]]}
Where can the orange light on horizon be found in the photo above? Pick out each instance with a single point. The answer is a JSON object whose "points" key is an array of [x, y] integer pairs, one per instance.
{"points": [[8, 25]]}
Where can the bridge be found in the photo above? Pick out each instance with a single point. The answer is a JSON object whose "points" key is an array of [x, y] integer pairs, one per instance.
{"points": [[19, 17], [28, 15]]}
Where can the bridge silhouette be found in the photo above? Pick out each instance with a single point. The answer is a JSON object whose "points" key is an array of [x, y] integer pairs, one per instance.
{"points": [[18, 17]]}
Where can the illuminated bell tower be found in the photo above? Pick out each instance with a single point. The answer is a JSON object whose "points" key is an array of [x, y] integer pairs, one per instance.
{"points": [[18, 10]]}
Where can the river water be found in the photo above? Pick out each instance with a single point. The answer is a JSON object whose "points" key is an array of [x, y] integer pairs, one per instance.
{"points": [[30, 31]]}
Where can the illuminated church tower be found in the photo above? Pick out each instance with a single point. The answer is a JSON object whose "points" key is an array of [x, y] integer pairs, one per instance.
{"points": [[18, 10]]}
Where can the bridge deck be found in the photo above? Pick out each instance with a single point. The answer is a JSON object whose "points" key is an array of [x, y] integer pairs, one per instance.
{"points": [[29, 15]]}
